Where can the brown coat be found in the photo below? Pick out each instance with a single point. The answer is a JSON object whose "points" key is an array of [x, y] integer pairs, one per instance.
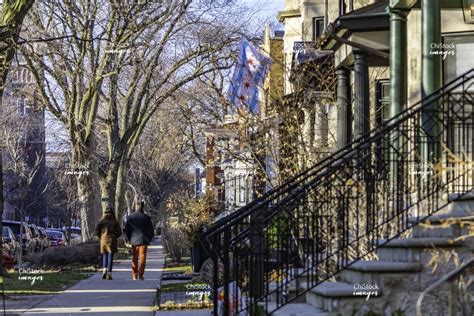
{"points": [[108, 230]]}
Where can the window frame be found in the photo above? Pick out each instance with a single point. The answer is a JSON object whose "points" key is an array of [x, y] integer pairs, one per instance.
{"points": [[445, 36], [316, 27]]}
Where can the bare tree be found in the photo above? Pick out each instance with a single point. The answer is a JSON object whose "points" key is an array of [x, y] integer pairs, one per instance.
{"points": [[21, 163], [111, 67], [61, 196], [162, 161], [13, 13]]}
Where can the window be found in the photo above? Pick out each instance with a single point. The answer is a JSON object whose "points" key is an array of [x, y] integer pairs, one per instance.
{"points": [[458, 55], [22, 105], [382, 114], [15, 75], [24, 75], [318, 27], [458, 60], [383, 100]]}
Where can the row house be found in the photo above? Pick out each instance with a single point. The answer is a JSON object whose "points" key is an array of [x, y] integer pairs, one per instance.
{"points": [[374, 115]]}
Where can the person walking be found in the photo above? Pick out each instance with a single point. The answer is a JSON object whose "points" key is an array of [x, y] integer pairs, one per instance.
{"points": [[108, 230], [139, 233]]}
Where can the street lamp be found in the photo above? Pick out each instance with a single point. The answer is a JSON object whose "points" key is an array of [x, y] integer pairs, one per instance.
{"points": [[134, 193]]}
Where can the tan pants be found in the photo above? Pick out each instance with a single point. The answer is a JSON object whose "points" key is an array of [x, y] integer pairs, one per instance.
{"points": [[138, 269]]}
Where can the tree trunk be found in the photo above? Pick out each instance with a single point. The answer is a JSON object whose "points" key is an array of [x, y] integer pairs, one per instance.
{"points": [[89, 203], [108, 186], [121, 189], [88, 190]]}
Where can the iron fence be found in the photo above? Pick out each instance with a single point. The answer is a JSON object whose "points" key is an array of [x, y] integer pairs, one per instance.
{"points": [[357, 199]]}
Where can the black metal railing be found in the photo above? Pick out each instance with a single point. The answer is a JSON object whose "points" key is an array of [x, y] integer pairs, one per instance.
{"points": [[237, 191], [307, 230]]}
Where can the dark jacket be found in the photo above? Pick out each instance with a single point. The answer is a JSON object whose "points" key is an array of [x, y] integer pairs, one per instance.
{"points": [[108, 230], [139, 229]]}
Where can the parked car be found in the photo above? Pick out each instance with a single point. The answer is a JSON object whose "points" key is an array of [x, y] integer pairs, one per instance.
{"points": [[75, 230], [75, 236], [56, 237], [7, 257], [26, 235], [66, 233], [36, 238], [75, 239], [9, 239], [44, 237]]}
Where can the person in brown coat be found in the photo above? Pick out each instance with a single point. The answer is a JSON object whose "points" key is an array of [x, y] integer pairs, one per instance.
{"points": [[108, 230]]}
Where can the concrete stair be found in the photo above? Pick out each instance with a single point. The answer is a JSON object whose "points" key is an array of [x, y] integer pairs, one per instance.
{"points": [[401, 264], [414, 249], [328, 295], [299, 309]]}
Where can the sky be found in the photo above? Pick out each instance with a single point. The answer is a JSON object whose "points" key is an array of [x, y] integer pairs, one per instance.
{"points": [[269, 5], [268, 8]]}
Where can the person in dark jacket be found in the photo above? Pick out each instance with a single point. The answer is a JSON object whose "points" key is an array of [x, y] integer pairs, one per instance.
{"points": [[108, 230], [139, 233]]}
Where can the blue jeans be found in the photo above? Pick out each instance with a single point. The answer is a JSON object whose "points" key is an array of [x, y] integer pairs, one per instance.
{"points": [[107, 262]]}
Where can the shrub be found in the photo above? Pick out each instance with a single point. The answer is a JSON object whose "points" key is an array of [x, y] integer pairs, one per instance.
{"points": [[186, 216], [86, 253], [175, 243]]}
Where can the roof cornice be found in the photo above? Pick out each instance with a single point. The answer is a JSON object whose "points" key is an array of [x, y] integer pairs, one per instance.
{"points": [[282, 15]]}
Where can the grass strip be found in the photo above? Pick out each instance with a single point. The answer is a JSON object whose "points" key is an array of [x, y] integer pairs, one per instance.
{"points": [[41, 282]]}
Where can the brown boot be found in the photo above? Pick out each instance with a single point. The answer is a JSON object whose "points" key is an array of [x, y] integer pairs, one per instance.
{"points": [[109, 276]]}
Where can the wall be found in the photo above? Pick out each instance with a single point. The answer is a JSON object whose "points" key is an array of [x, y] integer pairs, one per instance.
{"points": [[451, 21]]}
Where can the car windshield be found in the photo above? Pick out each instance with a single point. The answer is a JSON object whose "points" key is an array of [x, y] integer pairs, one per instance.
{"points": [[5, 232], [14, 227], [55, 234]]}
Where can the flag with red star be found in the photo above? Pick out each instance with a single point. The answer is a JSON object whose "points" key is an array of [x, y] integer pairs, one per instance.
{"points": [[248, 77]]}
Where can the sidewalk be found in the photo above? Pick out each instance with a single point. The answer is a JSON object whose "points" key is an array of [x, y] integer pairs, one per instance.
{"points": [[121, 296], [199, 312]]}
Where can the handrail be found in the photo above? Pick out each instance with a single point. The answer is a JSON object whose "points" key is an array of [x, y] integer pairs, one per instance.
{"points": [[343, 208], [454, 273], [245, 211]]}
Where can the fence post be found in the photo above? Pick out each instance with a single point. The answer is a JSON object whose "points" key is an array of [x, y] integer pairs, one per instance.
{"points": [[256, 262]]}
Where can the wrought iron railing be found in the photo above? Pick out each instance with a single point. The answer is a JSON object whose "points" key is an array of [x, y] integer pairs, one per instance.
{"points": [[238, 191], [307, 230]]}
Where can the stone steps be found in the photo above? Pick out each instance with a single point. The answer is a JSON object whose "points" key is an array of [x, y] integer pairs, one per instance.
{"points": [[328, 296], [413, 249], [373, 272], [400, 266], [298, 309]]}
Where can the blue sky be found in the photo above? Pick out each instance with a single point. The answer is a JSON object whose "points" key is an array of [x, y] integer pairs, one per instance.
{"points": [[268, 8]]}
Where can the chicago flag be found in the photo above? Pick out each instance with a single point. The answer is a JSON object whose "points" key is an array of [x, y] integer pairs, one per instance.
{"points": [[249, 74]]}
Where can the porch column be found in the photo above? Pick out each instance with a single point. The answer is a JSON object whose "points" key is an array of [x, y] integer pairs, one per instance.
{"points": [[398, 82], [308, 128], [431, 78], [321, 124], [398, 61], [361, 87], [344, 107]]}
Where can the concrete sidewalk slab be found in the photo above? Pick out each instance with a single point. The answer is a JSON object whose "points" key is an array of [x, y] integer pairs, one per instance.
{"points": [[120, 296], [195, 312]]}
